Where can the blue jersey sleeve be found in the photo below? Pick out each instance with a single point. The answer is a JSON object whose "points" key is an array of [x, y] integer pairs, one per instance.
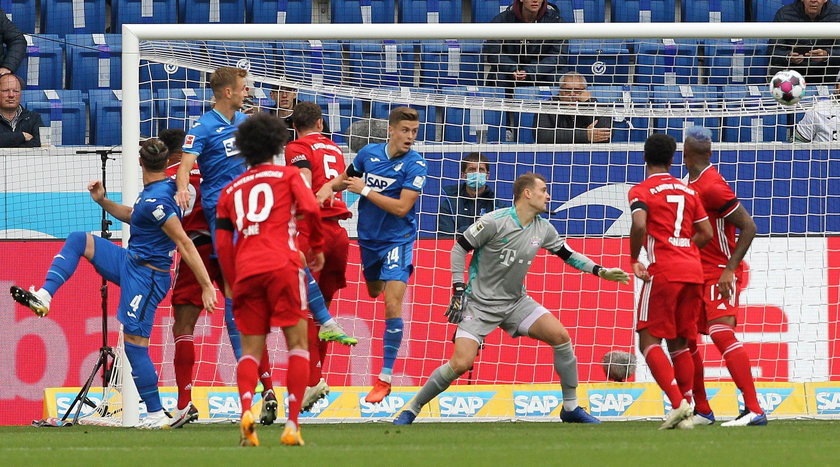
{"points": [[415, 174], [195, 139], [158, 211], [359, 161]]}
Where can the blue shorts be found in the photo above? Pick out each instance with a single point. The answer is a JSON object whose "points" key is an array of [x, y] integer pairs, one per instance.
{"points": [[210, 216], [141, 288], [387, 261]]}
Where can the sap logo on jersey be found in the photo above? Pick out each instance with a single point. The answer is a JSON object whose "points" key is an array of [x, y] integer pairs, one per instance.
{"points": [[710, 394], [223, 404], [529, 403], [230, 147], [387, 408], [768, 398], [612, 402], [828, 401], [321, 405], [464, 404], [378, 183]]}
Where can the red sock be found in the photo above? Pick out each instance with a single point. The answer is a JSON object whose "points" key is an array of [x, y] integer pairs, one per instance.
{"points": [[314, 355], [246, 380], [701, 403], [663, 373], [297, 376], [183, 363], [265, 371], [684, 372], [738, 363]]}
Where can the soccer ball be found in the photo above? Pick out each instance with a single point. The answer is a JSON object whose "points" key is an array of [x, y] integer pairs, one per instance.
{"points": [[618, 365], [787, 87]]}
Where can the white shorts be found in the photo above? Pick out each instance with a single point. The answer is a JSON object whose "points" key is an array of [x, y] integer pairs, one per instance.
{"points": [[516, 318]]}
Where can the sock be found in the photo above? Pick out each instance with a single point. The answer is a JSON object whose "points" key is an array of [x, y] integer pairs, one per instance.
{"points": [[183, 363], [701, 403], [391, 342], [317, 306], [663, 373], [233, 332], [439, 380], [296, 377], [145, 376], [684, 372], [264, 370], [246, 380], [65, 262], [565, 364], [314, 355], [738, 363]]}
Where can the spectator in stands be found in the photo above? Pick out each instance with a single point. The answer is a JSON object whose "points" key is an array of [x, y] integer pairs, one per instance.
{"points": [[462, 204], [817, 60], [367, 131], [573, 128], [14, 50], [19, 128], [285, 98], [821, 123]]}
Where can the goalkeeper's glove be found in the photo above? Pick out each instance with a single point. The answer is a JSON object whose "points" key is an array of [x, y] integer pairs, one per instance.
{"points": [[454, 313], [614, 274]]}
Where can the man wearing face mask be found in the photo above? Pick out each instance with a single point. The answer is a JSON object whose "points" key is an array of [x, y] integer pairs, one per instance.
{"points": [[461, 205]]}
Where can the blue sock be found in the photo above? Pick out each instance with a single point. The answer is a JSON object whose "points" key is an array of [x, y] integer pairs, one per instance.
{"points": [[317, 306], [391, 341], [64, 263], [233, 333], [145, 376]]}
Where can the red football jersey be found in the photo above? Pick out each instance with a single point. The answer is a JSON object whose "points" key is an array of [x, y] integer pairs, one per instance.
{"points": [[672, 210], [193, 219], [325, 160], [719, 201], [262, 206]]}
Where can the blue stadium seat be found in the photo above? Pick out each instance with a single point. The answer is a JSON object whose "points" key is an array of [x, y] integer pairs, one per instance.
{"points": [[156, 76], [602, 62], [229, 53], [339, 112], [485, 10], [61, 17], [430, 11], [753, 129], [44, 66], [667, 62], [581, 11], [643, 11], [428, 114], [474, 124], [765, 10], [279, 11], [29, 96], [142, 12], [22, 13], [713, 11], [450, 63], [381, 63], [317, 62], [63, 111], [625, 129], [94, 61], [180, 108], [683, 97], [211, 11], [106, 116], [362, 11], [527, 121], [736, 61]]}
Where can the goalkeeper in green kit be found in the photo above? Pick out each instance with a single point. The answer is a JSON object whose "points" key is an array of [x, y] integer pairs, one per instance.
{"points": [[504, 244]]}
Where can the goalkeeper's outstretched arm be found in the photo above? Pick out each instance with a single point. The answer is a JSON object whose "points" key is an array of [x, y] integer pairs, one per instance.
{"points": [[585, 264]]}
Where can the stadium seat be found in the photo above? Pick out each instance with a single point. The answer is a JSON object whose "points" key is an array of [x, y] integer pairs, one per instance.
{"points": [[362, 11], [753, 128], [180, 108], [391, 100], [381, 63], [713, 11], [64, 17], [450, 63], [684, 97], [211, 11], [44, 66], [527, 121], [94, 61], [765, 10], [485, 10], [262, 58], [736, 61], [602, 62], [339, 112], [429, 11], [279, 11], [624, 128], [22, 13], [156, 76], [106, 116], [63, 111], [667, 62], [29, 96], [142, 12], [316, 62], [475, 124], [643, 11], [581, 11]]}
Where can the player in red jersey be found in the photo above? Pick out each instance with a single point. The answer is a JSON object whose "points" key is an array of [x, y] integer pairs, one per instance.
{"points": [[264, 208], [722, 270], [670, 222]]}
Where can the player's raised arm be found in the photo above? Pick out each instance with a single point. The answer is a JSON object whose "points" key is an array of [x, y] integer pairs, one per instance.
{"points": [[174, 230], [182, 179], [97, 192]]}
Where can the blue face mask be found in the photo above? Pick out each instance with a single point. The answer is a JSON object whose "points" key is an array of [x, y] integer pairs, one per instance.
{"points": [[476, 180]]}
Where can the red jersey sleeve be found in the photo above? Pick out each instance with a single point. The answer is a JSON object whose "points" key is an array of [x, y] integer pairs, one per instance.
{"points": [[636, 197], [298, 155], [720, 198], [699, 211], [309, 227]]}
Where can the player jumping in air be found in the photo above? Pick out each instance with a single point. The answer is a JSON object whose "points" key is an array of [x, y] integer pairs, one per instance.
{"points": [[504, 244]]}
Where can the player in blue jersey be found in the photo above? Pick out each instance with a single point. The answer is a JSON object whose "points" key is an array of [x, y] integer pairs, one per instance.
{"points": [[141, 270], [389, 177]]}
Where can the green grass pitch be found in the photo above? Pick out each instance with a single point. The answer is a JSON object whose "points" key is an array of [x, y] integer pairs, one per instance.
{"points": [[804, 442]]}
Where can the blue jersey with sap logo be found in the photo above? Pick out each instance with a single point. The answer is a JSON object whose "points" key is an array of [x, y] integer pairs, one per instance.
{"points": [[388, 176], [148, 242], [212, 140]]}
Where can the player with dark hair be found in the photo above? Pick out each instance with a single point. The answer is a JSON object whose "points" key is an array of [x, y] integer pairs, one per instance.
{"points": [[505, 242], [263, 208], [141, 270], [670, 222]]}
